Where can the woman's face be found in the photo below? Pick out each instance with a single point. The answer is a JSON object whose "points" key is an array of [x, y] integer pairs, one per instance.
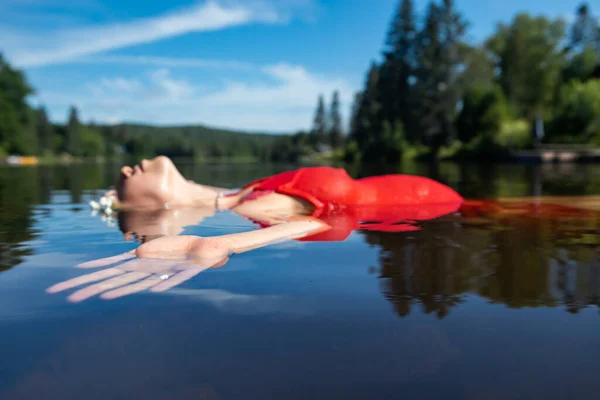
{"points": [[150, 184]]}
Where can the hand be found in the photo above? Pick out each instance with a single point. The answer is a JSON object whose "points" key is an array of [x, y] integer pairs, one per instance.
{"points": [[163, 263], [156, 266]]}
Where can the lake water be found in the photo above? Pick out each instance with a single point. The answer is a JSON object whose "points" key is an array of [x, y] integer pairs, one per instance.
{"points": [[452, 311]]}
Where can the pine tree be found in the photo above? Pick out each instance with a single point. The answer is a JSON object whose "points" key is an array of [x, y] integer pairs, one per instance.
{"points": [[438, 84], [109, 133], [73, 133], [367, 120], [353, 123], [335, 121], [319, 130], [44, 131], [397, 70]]}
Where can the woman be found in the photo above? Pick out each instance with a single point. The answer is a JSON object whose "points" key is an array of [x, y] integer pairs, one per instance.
{"points": [[315, 204], [319, 203]]}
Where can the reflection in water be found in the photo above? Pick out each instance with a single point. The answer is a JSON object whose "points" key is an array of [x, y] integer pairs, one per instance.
{"points": [[540, 263], [24, 189], [18, 192], [518, 262]]}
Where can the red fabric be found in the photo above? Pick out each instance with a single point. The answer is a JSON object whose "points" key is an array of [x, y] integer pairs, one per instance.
{"points": [[331, 188], [378, 218], [344, 221]]}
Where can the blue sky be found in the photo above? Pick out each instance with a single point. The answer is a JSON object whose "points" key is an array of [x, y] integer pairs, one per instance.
{"points": [[256, 65]]}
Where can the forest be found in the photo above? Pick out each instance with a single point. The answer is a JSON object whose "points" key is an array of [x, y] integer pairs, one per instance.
{"points": [[431, 95]]}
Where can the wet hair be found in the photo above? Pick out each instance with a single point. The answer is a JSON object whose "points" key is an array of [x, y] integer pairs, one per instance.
{"points": [[121, 215]]}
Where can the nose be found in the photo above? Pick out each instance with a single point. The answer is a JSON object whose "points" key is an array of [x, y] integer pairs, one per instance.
{"points": [[145, 164], [126, 171]]}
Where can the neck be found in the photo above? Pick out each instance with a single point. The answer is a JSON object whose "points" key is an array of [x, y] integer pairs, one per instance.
{"points": [[199, 195]]}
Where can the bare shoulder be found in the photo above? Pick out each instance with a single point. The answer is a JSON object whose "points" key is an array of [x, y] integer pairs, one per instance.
{"points": [[274, 205]]}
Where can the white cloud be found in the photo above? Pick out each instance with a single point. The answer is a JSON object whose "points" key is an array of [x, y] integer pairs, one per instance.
{"points": [[244, 304], [27, 50], [117, 84], [282, 99], [157, 86], [166, 62], [291, 87]]}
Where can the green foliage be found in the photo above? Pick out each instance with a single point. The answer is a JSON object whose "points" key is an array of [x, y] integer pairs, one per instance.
{"points": [[581, 65], [417, 85], [16, 124], [450, 151], [577, 116], [192, 141], [515, 134], [15, 89], [440, 88], [478, 68], [45, 131], [320, 126], [74, 133], [482, 114], [367, 123], [437, 84], [429, 89], [351, 153], [529, 60], [335, 119], [92, 142], [398, 68], [481, 148], [10, 126]]}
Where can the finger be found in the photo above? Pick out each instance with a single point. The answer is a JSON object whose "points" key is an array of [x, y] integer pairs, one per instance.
{"points": [[149, 265], [132, 288], [107, 260], [81, 280], [177, 279], [113, 283]]}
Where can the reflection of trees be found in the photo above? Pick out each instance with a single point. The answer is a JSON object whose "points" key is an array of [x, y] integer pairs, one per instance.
{"points": [[519, 262], [23, 188], [18, 192]]}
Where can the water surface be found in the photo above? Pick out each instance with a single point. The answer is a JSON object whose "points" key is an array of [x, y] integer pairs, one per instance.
{"points": [[453, 311]]}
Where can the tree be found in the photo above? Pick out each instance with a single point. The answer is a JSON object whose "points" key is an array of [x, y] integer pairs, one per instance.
{"points": [[482, 114], [368, 123], [577, 116], [15, 114], [15, 90], [73, 133], [44, 131], [439, 62], [397, 70], [10, 126], [109, 133], [91, 141], [335, 122], [478, 68], [319, 130], [530, 63], [353, 122]]}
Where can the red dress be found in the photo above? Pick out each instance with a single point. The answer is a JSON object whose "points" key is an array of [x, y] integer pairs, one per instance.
{"points": [[331, 188], [383, 203]]}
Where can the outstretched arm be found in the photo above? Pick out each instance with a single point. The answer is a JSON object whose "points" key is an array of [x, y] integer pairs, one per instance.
{"points": [[167, 262]]}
